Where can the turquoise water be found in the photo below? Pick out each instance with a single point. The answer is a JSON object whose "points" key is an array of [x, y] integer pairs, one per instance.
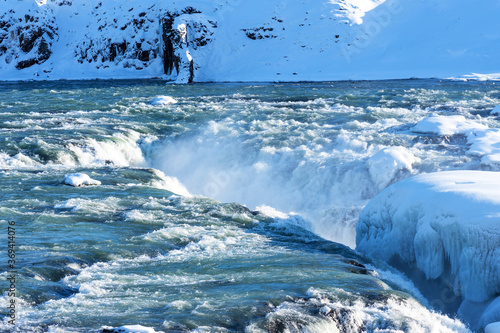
{"points": [[233, 209]]}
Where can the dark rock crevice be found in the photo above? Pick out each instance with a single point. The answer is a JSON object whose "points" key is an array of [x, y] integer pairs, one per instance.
{"points": [[26, 38], [183, 34]]}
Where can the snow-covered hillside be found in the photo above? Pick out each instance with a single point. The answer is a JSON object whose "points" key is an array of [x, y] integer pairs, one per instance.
{"points": [[258, 40]]}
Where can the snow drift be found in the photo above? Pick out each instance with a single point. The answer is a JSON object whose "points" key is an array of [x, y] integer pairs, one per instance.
{"points": [[447, 225]]}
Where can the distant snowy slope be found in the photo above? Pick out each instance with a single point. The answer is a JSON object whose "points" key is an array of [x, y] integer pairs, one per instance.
{"points": [[447, 225], [236, 40]]}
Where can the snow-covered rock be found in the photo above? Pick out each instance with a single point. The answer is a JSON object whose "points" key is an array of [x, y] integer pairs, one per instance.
{"points": [[446, 224], [387, 163], [186, 38], [79, 179], [482, 141], [163, 100], [131, 329], [27, 33], [447, 125], [259, 40]]}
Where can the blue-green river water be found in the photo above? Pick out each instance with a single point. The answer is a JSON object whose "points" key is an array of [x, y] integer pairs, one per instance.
{"points": [[231, 210]]}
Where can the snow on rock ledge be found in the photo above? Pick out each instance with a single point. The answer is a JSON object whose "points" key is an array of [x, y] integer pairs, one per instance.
{"points": [[483, 142], [447, 125], [447, 224]]}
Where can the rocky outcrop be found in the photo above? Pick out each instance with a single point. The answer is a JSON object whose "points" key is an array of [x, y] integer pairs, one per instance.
{"points": [[156, 38], [106, 37], [27, 33], [120, 36], [184, 34]]}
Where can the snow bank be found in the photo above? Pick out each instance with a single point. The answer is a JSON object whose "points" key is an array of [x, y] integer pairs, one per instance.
{"points": [[385, 165], [447, 125], [483, 142], [162, 100], [447, 224], [79, 179], [480, 77]]}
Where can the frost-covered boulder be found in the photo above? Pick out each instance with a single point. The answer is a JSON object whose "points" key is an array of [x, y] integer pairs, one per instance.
{"points": [[445, 224], [79, 179], [447, 125], [385, 166]]}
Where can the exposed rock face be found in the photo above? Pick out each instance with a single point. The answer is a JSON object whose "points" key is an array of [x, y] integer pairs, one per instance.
{"points": [[27, 33], [105, 36], [120, 35], [184, 34]]}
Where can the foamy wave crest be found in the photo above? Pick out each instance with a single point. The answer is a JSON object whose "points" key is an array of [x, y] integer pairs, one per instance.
{"points": [[119, 150], [17, 161]]}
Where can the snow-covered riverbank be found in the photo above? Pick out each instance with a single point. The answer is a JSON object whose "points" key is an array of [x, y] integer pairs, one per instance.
{"points": [[216, 40]]}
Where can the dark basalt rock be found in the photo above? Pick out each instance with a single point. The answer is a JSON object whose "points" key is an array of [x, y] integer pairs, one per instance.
{"points": [[358, 268], [259, 33], [128, 49], [197, 34], [170, 37], [27, 37]]}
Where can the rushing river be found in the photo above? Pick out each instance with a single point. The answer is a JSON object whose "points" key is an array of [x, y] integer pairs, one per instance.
{"points": [[233, 209]]}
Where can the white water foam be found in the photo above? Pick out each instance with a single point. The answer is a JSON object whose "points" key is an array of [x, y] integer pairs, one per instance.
{"points": [[323, 172], [392, 316], [119, 150]]}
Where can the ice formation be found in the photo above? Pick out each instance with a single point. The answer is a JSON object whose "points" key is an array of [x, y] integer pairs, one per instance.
{"points": [[387, 163], [447, 224], [492, 328], [447, 125]]}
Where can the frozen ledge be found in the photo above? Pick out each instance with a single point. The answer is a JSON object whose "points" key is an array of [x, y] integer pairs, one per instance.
{"points": [[446, 225]]}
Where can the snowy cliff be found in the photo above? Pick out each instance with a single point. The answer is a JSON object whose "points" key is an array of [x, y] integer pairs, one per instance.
{"points": [[236, 40]]}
